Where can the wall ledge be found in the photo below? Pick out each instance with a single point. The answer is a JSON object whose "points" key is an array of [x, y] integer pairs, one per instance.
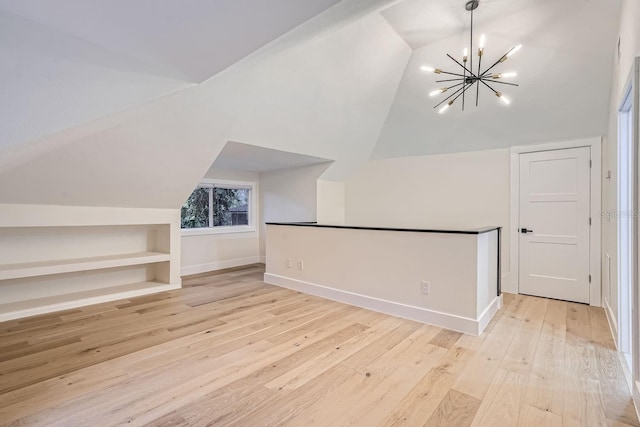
{"points": [[418, 314]]}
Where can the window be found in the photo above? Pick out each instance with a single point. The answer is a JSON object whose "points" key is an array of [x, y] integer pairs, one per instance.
{"points": [[219, 207]]}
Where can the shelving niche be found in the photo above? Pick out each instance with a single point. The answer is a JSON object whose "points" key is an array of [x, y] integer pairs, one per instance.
{"points": [[49, 265]]}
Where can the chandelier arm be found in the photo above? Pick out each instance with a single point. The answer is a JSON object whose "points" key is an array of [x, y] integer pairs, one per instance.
{"points": [[449, 80], [463, 91], [453, 74], [456, 61], [448, 97], [496, 63], [470, 51], [480, 77], [503, 83], [464, 81], [484, 83], [451, 87]]}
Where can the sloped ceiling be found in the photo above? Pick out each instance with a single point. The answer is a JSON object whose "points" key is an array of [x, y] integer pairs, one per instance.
{"points": [[422, 22], [50, 81], [190, 40], [564, 71], [108, 114], [66, 62], [251, 158]]}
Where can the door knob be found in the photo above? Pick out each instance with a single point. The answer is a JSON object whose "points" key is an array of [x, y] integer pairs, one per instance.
{"points": [[525, 231]]}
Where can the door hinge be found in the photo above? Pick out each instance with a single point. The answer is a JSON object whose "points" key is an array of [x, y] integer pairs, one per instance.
{"points": [[589, 220], [589, 278], [590, 163]]}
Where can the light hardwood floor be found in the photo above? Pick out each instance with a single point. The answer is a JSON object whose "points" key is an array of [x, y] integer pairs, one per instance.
{"points": [[228, 349]]}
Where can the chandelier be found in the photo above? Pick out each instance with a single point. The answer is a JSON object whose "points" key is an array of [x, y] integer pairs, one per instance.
{"points": [[466, 78]]}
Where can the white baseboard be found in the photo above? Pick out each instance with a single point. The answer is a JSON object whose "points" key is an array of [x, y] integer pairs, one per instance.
{"points": [[636, 397], [218, 265], [263, 259], [488, 314], [419, 314], [613, 324]]}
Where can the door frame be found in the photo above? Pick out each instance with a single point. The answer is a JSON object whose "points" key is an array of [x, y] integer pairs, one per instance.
{"points": [[595, 144], [633, 84], [627, 309]]}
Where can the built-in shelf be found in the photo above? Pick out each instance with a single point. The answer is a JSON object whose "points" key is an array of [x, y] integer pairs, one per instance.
{"points": [[60, 257], [31, 307], [44, 268]]}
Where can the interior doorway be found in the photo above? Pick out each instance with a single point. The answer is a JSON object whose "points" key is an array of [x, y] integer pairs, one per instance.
{"points": [[553, 205], [554, 224]]}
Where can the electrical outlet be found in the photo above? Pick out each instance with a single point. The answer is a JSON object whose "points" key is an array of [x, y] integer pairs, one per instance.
{"points": [[288, 262], [425, 287], [300, 265]]}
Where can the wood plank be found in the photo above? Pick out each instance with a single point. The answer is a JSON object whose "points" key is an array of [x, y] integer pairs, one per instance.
{"points": [[520, 353], [420, 403], [479, 372], [532, 416], [456, 408], [446, 338], [545, 384], [501, 406]]}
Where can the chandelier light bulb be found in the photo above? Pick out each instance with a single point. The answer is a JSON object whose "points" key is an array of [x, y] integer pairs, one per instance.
{"points": [[514, 50], [503, 98], [438, 91], [504, 75], [427, 69], [444, 108], [465, 54], [483, 40]]}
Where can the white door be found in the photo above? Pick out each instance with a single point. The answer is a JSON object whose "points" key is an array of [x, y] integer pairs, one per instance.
{"points": [[554, 224]]}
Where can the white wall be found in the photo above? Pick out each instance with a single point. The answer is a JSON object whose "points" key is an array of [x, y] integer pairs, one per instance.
{"points": [[331, 202], [289, 195], [283, 195], [209, 252], [232, 174], [461, 190], [384, 270], [629, 49]]}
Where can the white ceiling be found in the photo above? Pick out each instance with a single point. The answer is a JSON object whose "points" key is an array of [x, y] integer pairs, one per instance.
{"points": [[245, 157], [422, 22], [189, 40], [564, 71]]}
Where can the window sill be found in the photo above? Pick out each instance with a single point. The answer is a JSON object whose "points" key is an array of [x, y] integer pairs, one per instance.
{"points": [[186, 232]]}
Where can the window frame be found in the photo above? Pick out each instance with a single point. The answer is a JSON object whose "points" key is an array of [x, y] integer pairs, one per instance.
{"points": [[229, 229]]}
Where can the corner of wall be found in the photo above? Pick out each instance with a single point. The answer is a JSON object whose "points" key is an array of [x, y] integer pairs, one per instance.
{"points": [[331, 202]]}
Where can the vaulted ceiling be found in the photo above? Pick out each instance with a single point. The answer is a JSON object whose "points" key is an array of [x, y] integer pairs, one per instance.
{"points": [[564, 72], [155, 89]]}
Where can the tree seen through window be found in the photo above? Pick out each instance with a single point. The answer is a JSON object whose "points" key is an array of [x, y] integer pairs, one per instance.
{"points": [[216, 207]]}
